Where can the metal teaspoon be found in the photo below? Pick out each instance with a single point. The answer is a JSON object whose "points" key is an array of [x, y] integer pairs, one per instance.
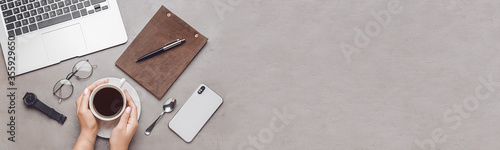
{"points": [[168, 107]]}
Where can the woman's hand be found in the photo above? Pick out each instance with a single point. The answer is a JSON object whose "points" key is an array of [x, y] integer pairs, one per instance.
{"points": [[123, 132], [88, 123]]}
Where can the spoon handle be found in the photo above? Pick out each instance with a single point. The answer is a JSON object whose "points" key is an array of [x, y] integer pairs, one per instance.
{"points": [[150, 128]]}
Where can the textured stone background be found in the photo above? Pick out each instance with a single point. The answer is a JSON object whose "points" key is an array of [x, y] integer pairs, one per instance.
{"points": [[269, 57]]}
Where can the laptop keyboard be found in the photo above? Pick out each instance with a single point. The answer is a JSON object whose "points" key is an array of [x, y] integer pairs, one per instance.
{"points": [[24, 16]]}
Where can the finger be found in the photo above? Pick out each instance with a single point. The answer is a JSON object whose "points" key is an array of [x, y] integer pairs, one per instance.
{"points": [[131, 103], [94, 85], [79, 100], [133, 117], [132, 121], [85, 99], [124, 118]]}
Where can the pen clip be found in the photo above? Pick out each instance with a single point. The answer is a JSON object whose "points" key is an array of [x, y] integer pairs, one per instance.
{"points": [[170, 42]]}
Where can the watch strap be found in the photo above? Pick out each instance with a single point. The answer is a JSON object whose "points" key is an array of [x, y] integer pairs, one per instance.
{"points": [[50, 112]]}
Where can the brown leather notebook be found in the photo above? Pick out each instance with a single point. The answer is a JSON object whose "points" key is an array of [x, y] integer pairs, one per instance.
{"points": [[158, 73]]}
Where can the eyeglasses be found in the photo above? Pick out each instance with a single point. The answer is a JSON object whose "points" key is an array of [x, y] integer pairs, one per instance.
{"points": [[64, 88]]}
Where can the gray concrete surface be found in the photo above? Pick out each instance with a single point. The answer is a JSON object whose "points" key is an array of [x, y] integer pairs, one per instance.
{"points": [[417, 78]]}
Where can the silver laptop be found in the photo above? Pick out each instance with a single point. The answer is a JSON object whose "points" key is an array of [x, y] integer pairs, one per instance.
{"points": [[50, 31]]}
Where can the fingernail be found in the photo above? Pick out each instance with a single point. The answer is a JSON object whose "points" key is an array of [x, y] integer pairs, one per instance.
{"points": [[128, 110], [86, 91]]}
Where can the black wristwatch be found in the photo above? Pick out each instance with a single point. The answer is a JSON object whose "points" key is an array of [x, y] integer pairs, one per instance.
{"points": [[31, 101]]}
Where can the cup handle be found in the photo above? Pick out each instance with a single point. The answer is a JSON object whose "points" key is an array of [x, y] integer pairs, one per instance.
{"points": [[122, 82]]}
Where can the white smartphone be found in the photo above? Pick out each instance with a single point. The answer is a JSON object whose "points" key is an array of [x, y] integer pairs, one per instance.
{"points": [[195, 113]]}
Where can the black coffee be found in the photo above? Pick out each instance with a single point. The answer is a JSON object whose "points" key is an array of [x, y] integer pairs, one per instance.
{"points": [[108, 101]]}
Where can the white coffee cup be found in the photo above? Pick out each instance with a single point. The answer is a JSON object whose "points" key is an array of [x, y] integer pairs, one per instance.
{"points": [[113, 104]]}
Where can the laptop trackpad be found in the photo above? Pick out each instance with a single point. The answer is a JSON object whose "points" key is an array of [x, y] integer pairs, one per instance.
{"points": [[64, 43]]}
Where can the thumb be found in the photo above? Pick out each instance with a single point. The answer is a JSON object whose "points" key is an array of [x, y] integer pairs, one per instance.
{"points": [[84, 104], [124, 118]]}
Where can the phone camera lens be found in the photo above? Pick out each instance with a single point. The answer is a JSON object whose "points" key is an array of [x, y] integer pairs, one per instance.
{"points": [[201, 89]]}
